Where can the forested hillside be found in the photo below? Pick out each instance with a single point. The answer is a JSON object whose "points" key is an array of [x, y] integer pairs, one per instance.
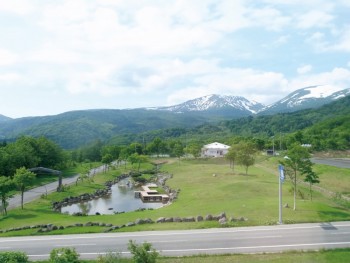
{"points": [[74, 129], [326, 128], [71, 130]]}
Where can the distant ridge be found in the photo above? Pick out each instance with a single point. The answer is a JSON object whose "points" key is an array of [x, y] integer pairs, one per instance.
{"points": [[236, 105], [4, 118], [306, 98], [77, 128]]}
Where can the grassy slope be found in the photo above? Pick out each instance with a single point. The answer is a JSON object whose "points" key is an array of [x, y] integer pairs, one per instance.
{"points": [[254, 196]]}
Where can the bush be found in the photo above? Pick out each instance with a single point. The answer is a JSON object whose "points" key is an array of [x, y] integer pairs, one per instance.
{"points": [[13, 257], [64, 255], [110, 257], [143, 253]]}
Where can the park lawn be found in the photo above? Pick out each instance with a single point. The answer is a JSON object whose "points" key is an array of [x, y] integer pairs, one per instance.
{"points": [[253, 196], [323, 256], [334, 179]]}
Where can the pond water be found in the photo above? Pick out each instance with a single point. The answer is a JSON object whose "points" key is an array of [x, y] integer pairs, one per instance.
{"points": [[122, 199]]}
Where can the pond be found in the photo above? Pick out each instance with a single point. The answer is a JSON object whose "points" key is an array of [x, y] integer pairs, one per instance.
{"points": [[121, 199]]}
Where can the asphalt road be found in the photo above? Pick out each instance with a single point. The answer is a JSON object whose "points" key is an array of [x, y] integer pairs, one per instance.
{"points": [[36, 192], [193, 242], [338, 162]]}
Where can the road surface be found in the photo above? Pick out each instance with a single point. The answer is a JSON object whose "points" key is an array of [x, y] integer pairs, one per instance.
{"points": [[259, 239], [36, 192], [338, 162]]}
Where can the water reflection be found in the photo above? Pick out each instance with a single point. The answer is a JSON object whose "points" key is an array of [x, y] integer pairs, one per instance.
{"points": [[122, 199]]}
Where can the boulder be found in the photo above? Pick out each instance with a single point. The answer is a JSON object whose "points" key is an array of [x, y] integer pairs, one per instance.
{"points": [[161, 220], [199, 218], [177, 219], [208, 217], [223, 221]]}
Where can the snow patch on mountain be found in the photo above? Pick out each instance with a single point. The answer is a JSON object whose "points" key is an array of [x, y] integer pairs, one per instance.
{"points": [[216, 102]]}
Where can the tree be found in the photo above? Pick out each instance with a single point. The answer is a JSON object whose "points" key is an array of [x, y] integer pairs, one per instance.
{"points": [[296, 162], [6, 186], [157, 146], [178, 149], [22, 179], [107, 159], [310, 177], [246, 154], [143, 253], [84, 174], [194, 149], [232, 154]]}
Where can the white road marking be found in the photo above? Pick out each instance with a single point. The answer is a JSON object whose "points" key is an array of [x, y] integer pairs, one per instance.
{"points": [[254, 247], [218, 249], [75, 245]]}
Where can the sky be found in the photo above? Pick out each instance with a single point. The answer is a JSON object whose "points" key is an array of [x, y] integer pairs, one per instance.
{"points": [[64, 55]]}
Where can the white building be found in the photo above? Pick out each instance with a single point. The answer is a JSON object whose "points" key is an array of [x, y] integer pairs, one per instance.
{"points": [[214, 150]]}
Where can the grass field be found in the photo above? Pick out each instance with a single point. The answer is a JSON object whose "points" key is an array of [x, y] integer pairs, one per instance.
{"points": [[253, 196], [323, 256]]}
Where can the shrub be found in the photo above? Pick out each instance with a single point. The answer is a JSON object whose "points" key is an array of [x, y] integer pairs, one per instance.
{"points": [[143, 253], [13, 257], [110, 257], [64, 255]]}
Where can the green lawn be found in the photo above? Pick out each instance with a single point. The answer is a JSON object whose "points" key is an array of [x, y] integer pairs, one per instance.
{"points": [[323, 256], [253, 196]]}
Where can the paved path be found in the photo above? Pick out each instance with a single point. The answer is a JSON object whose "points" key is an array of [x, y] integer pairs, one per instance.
{"points": [[177, 243], [338, 162], [37, 192]]}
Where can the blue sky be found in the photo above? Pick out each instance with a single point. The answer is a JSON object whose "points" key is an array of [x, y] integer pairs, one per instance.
{"points": [[57, 56]]}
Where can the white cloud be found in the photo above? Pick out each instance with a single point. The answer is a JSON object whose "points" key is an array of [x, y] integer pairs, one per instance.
{"points": [[269, 18], [16, 6], [314, 18], [248, 83], [339, 78], [304, 69], [9, 77], [344, 41], [7, 57]]}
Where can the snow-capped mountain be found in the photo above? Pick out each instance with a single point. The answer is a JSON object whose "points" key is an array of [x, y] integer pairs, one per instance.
{"points": [[235, 105], [309, 97]]}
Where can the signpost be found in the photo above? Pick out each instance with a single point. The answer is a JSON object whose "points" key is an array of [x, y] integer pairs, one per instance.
{"points": [[281, 180]]}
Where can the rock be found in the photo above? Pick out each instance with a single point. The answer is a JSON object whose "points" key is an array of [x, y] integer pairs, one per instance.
{"points": [[188, 219], [208, 217], [177, 219], [148, 221], [222, 215], [161, 220], [199, 218], [169, 220], [139, 221], [223, 220], [130, 224]]}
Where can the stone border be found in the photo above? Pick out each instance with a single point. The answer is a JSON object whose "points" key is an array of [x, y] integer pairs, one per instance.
{"points": [[45, 228]]}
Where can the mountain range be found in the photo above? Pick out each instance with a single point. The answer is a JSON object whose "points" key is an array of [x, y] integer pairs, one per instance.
{"points": [[77, 128]]}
